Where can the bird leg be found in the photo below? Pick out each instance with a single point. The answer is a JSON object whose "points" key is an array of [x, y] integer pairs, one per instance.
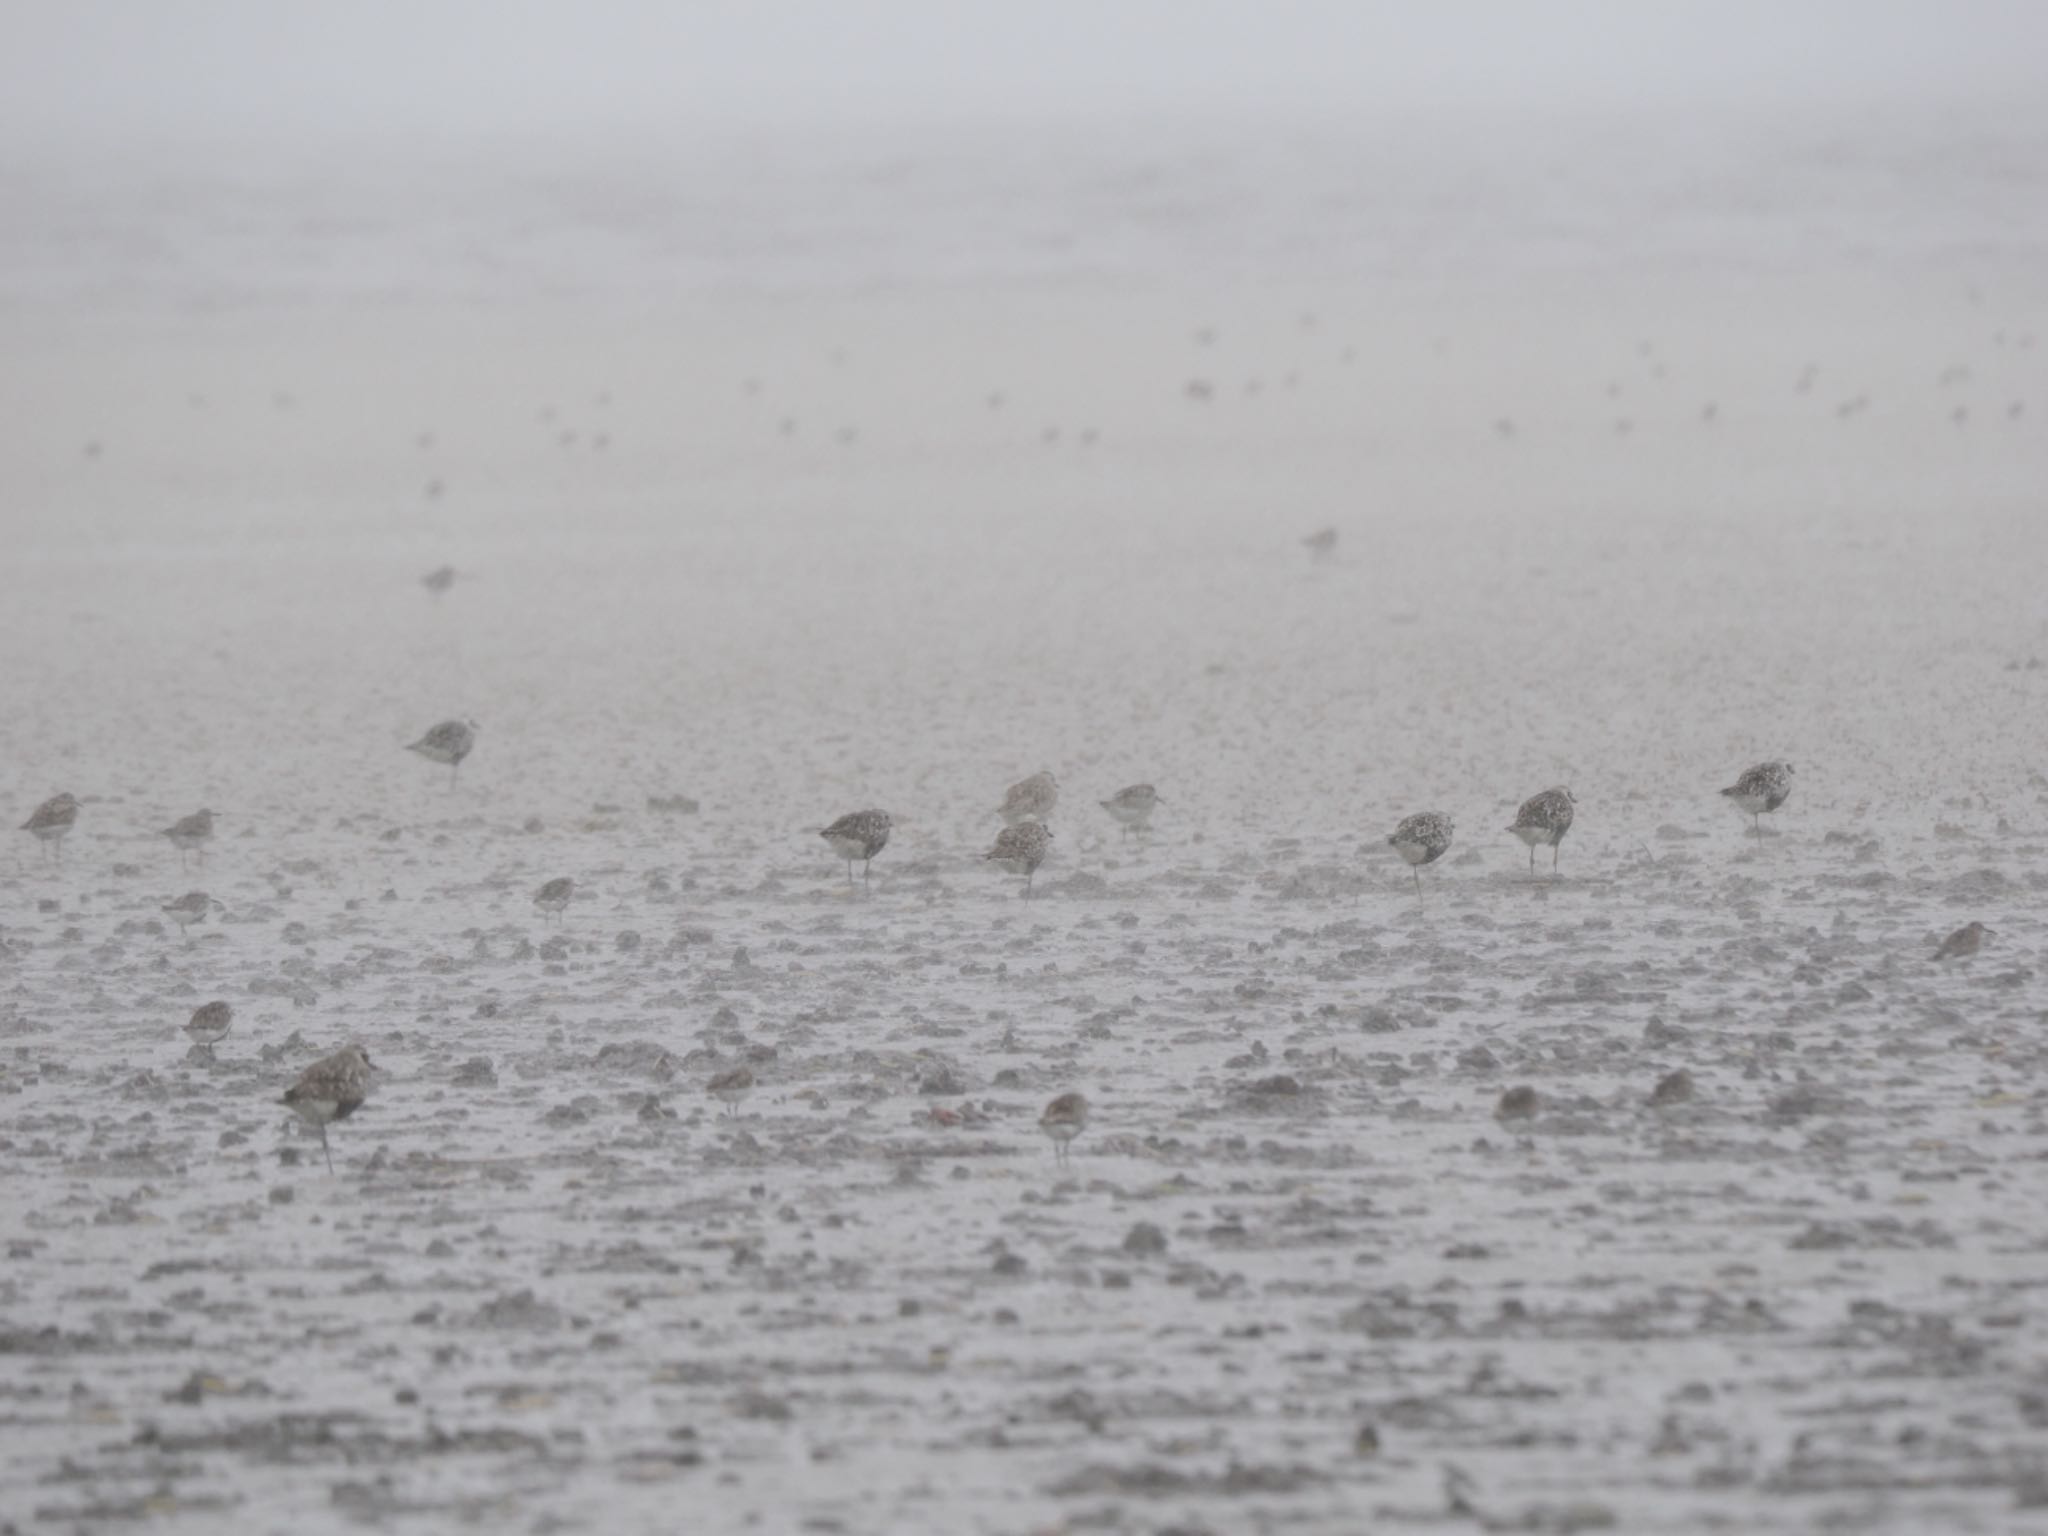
{"points": [[324, 1147]]}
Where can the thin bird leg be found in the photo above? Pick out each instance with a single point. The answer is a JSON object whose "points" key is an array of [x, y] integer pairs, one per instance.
{"points": [[1555, 849], [867, 870], [324, 1147], [1417, 873]]}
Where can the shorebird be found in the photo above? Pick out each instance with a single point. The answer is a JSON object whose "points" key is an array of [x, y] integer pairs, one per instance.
{"points": [[1964, 942], [1423, 839], [1065, 1118], [191, 834], [731, 1087], [210, 1024], [1322, 544], [1760, 789], [858, 835], [449, 742], [439, 579], [1021, 849], [554, 896], [190, 910], [330, 1090], [1545, 818], [52, 820], [1132, 807], [1030, 799]]}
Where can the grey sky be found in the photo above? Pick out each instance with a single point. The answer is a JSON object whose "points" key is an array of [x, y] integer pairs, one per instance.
{"points": [[89, 70]]}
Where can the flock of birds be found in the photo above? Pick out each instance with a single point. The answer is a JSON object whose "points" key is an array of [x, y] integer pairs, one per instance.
{"points": [[335, 1087]]}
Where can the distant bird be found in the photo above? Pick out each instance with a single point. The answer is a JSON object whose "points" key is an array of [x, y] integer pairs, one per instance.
{"points": [[449, 742], [1030, 799], [1021, 849], [553, 897], [1132, 807], [1760, 789], [1322, 544], [439, 579], [52, 820], [1065, 1118], [858, 835], [191, 834], [1544, 819], [210, 1024], [1423, 839], [731, 1087], [330, 1090], [190, 910], [1964, 942]]}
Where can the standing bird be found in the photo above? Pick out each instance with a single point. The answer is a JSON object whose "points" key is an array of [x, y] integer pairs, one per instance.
{"points": [[1065, 1118], [1132, 807], [330, 1090], [1544, 819], [1021, 849], [449, 742], [858, 835], [190, 910], [1760, 789], [1030, 799], [1322, 544], [53, 819], [439, 579], [1964, 942], [731, 1087], [554, 896], [210, 1024], [1423, 839], [191, 833]]}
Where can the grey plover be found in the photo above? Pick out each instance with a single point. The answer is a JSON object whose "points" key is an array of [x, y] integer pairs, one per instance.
{"points": [[1065, 1118], [331, 1089], [1761, 789], [1030, 799], [1544, 818], [858, 835], [1322, 544], [191, 834], [190, 910], [1132, 807], [553, 897], [1423, 839], [210, 1024], [731, 1087], [52, 821], [1964, 942], [1021, 849], [449, 742], [439, 579]]}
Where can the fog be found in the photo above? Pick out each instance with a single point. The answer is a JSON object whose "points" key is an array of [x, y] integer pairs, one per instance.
{"points": [[637, 637]]}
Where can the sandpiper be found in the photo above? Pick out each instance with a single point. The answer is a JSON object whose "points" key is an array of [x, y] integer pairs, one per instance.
{"points": [[731, 1087], [1964, 942], [1030, 799], [1423, 839], [1760, 789], [449, 742], [330, 1090], [858, 835], [210, 1024], [1132, 807], [1021, 849], [554, 896], [1065, 1118], [190, 910], [191, 834], [1544, 818], [52, 820]]}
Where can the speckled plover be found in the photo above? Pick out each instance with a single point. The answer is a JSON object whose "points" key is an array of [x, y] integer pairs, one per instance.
{"points": [[1021, 849], [1423, 839], [1544, 818], [1761, 789], [1065, 1118], [858, 835], [331, 1090]]}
